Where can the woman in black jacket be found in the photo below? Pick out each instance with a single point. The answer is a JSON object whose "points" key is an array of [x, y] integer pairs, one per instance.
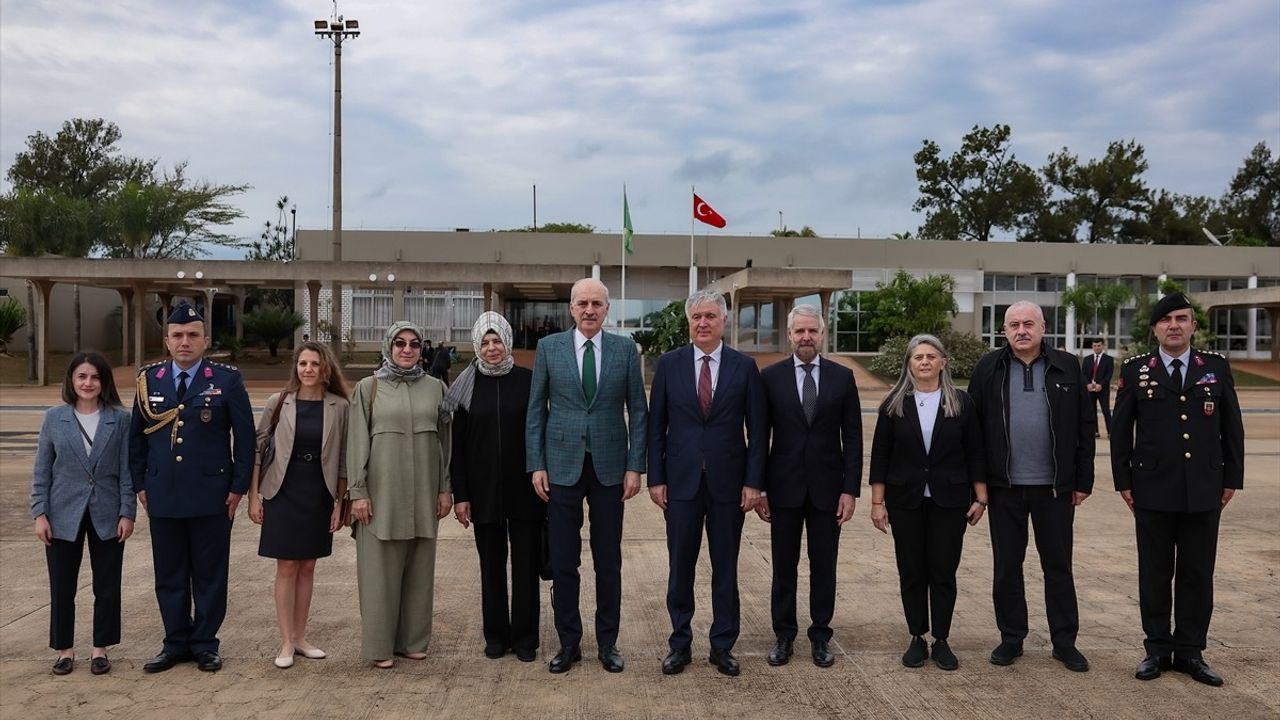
{"points": [[927, 480], [488, 403]]}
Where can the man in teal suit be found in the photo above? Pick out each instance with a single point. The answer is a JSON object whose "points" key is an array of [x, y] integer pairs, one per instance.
{"points": [[587, 384]]}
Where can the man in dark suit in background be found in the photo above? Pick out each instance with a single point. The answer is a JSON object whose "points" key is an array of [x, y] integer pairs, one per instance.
{"points": [[1096, 369], [813, 477], [1177, 475], [190, 480], [703, 472]]}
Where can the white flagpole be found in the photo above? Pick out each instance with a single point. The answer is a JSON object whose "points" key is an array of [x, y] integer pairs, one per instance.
{"points": [[622, 321], [693, 269]]}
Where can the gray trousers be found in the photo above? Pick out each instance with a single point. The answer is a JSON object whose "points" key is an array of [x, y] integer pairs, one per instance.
{"points": [[396, 581]]}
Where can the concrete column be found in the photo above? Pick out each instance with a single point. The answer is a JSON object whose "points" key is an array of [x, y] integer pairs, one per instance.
{"points": [[595, 271], [397, 302], [43, 289], [1251, 345], [829, 344], [239, 294], [209, 292], [1159, 280], [733, 316], [126, 307], [487, 291], [335, 319], [1274, 314], [313, 308], [139, 329], [1071, 318]]}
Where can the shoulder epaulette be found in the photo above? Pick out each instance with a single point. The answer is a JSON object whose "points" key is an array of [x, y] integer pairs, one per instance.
{"points": [[148, 366], [225, 366], [1131, 358], [1212, 352]]}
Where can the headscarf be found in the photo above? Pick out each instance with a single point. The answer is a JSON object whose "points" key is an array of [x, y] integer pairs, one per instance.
{"points": [[459, 394], [389, 369]]}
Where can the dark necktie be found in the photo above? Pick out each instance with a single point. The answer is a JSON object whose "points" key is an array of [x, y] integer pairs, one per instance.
{"points": [[1097, 360], [589, 371], [1177, 373], [809, 393], [704, 386], [182, 385]]}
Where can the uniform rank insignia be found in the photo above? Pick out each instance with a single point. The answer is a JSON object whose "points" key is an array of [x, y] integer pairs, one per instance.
{"points": [[1208, 379], [1208, 408]]}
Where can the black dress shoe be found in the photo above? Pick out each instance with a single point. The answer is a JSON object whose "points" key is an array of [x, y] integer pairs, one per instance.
{"points": [[917, 652], [1151, 666], [1199, 671], [724, 662], [780, 654], [611, 660], [164, 661], [1072, 658], [564, 660], [1006, 652], [493, 652], [822, 656], [527, 655], [675, 661], [943, 657], [209, 661], [64, 665]]}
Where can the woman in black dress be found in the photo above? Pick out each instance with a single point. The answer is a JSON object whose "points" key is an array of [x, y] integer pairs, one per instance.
{"points": [[491, 488], [296, 496]]}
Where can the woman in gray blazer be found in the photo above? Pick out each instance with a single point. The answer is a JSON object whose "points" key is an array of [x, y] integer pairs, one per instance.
{"points": [[81, 488], [296, 497]]}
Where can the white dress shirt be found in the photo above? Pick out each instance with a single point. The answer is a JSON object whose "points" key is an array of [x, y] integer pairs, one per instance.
{"points": [[927, 408], [800, 375], [715, 366], [580, 347]]}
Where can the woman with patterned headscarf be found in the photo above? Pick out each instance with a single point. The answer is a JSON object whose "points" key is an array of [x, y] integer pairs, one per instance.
{"points": [[491, 489], [398, 473]]}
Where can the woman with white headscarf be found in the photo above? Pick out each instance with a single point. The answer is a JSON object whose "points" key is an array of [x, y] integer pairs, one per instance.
{"points": [[398, 473], [491, 489]]}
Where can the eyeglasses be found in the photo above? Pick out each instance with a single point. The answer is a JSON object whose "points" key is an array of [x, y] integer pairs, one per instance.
{"points": [[413, 344]]}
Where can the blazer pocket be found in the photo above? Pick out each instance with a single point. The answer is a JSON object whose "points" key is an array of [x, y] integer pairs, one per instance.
{"points": [[1146, 462]]}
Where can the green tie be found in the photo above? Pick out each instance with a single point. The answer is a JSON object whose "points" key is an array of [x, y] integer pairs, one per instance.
{"points": [[589, 371]]}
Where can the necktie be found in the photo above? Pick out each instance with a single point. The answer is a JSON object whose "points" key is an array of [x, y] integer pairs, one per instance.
{"points": [[1177, 373], [704, 386], [1097, 360], [589, 371], [809, 393], [182, 385]]}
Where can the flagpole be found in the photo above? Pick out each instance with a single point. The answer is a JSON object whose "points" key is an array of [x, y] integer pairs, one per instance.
{"points": [[693, 269], [623, 315]]}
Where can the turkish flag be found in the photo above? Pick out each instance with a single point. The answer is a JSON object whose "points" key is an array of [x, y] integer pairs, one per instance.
{"points": [[703, 212]]}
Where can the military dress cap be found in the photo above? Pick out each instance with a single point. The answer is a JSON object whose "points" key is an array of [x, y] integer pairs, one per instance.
{"points": [[1167, 304], [184, 313]]}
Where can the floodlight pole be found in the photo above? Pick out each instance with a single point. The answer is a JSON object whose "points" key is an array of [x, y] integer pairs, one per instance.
{"points": [[338, 30]]}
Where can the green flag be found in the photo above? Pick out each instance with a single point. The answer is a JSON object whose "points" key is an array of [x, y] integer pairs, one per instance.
{"points": [[626, 225]]}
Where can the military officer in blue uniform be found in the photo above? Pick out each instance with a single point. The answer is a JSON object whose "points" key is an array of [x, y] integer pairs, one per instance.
{"points": [[190, 475], [1177, 474]]}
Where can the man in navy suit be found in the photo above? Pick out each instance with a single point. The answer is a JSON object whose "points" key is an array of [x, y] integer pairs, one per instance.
{"points": [[702, 472], [584, 439], [812, 481], [190, 481], [1096, 369]]}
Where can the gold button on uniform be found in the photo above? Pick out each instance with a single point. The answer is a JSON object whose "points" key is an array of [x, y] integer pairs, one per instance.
{"points": [[182, 407], [1187, 455], [179, 458], [180, 423], [1184, 417], [1183, 398], [1186, 436], [179, 441]]}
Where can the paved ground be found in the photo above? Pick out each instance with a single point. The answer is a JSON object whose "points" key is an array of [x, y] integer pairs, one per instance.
{"points": [[867, 680]]}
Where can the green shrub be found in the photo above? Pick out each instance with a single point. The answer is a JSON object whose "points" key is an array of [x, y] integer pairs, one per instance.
{"points": [[271, 324], [13, 317], [668, 330], [965, 350]]}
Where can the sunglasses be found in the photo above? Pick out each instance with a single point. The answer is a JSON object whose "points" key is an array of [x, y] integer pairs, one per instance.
{"points": [[413, 344]]}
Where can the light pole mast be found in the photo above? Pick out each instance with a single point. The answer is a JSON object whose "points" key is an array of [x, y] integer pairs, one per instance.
{"points": [[338, 30]]}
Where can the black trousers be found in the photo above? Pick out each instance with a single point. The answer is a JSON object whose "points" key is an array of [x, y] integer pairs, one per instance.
{"points": [[785, 527], [1104, 399], [1052, 519], [723, 523], [106, 558], [564, 530], [516, 628], [1176, 555], [927, 542], [191, 556]]}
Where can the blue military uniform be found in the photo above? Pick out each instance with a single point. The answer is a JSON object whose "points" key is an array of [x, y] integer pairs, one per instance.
{"points": [[182, 455]]}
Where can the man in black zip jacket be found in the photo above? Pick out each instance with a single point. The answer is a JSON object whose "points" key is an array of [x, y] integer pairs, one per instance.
{"points": [[1039, 427]]}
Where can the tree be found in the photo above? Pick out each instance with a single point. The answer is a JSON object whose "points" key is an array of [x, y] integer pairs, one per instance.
{"points": [[805, 231], [1095, 301], [12, 319], [979, 189], [271, 324], [668, 330], [1252, 203], [1175, 219], [171, 216], [1102, 194], [274, 245], [908, 306], [556, 227]]}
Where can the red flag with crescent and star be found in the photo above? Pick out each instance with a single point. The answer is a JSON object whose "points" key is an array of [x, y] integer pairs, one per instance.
{"points": [[704, 213]]}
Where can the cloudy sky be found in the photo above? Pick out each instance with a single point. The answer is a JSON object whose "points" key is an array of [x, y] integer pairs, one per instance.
{"points": [[452, 110]]}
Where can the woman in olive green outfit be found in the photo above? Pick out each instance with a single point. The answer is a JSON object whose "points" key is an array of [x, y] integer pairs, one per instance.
{"points": [[398, 471]]}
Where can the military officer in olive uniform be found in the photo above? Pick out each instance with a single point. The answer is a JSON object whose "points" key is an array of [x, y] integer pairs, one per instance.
{"points": [[189, 476], [1177, 476]]}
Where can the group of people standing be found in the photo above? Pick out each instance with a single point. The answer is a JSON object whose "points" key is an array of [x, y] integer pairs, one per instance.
{"points": [[514, 453]]}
